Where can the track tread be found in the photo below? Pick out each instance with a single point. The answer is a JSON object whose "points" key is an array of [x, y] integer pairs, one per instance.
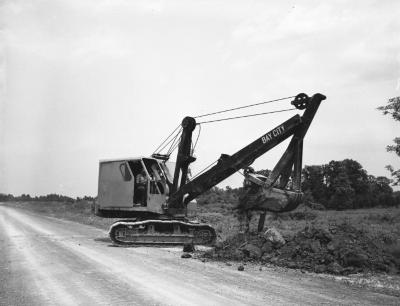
{"points": [[164, 238]]}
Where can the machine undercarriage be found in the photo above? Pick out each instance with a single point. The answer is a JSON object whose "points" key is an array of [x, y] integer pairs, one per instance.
{"points": [[161, 232]]}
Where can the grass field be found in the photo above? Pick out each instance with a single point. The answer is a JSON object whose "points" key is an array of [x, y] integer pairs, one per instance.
{"points": [[381, 223]]}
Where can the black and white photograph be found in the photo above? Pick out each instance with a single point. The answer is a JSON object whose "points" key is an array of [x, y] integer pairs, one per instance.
{"points": [[198, 152]]}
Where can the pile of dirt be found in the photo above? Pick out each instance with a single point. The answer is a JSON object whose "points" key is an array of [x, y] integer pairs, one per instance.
{"points": [[339, 250]]}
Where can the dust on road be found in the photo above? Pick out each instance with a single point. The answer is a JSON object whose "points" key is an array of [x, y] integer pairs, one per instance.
{"points": [[48, 261]]}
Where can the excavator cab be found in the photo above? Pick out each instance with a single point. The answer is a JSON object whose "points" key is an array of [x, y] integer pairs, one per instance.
{"points": [[131, 186]]}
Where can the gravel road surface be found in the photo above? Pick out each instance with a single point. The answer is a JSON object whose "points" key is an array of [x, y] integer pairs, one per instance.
{"points": [[48, 261]]}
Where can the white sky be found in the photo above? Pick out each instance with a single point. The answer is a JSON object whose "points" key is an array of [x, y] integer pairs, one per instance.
{"points": [[83, 80]]}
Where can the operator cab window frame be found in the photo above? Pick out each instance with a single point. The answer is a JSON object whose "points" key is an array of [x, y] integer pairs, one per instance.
{"points": [[156, 176]]}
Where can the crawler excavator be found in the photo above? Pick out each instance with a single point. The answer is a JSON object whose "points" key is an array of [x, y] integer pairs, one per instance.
{"points": [[153, 198]]}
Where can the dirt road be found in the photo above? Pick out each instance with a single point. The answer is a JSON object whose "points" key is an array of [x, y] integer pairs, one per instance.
{"points": [[48, 261]]}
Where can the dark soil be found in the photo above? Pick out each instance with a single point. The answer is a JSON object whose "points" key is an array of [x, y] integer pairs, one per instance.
{"points": [[339, 250]]}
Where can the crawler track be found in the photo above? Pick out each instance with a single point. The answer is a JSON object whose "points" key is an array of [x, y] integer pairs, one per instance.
{"points": [[161, 232]]}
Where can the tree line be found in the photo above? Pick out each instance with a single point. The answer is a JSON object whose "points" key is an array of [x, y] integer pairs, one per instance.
{"points": [[346, 185], [46, 198], [336, 185]]}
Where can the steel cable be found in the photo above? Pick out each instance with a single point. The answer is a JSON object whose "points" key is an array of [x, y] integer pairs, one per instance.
{"points": [[174, 144], [245, 116], [197, 139], [166, 139], [245, 106], [202, 171]]}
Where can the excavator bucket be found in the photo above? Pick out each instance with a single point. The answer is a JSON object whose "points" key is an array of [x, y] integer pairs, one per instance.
{"points": [[269, 199]]}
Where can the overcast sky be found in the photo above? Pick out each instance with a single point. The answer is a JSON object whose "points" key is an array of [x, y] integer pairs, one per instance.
{"points": [[83, 80]]}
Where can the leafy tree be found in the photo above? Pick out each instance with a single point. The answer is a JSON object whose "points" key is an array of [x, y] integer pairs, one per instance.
{"points": [[25, 197], [358, 177], [6, 197], [339, 188], [88, 198], [380, 192], [314, 182], [382, 184], [392, 108]]}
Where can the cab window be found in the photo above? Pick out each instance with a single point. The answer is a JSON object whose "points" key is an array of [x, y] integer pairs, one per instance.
{"points": [[126, 174]]}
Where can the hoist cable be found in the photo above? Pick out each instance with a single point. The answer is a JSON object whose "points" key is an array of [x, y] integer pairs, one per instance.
{"points": [[172, 142], [246, 116], [169, 141], [174, 145], [172, 139], [173, 149], [209, 166], [202, 171], [242, 174], [245, 106], [165, 145], [166, 139], [197, 139], [177, 136]]}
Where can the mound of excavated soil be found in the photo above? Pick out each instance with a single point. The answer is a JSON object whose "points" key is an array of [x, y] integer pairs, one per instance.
{"points": [[339, 250]]}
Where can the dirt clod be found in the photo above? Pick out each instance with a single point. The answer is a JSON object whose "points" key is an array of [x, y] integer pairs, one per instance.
{"points": [[188, 248], [240, 268], [252, 251], [273, 235], [341, 251]]}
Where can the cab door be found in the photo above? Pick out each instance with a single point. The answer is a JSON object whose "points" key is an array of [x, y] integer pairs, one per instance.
{"points": [[156, 186]]}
